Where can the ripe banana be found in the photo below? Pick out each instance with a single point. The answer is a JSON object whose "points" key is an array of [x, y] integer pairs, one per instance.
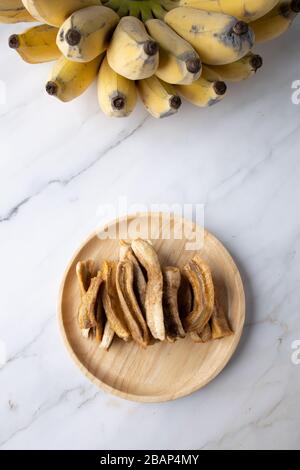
{"points": [[241, 69], [37, 44], [85, 34], [159, 98], [219, 39], [178, 61], [116, 94], [205, 91], [13, 11], [277, 21], [68, 80], [55, 12], [246, 10], [132, 52]]}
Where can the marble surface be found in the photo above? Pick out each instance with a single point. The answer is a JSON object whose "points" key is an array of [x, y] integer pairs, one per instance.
{"points": [[60, 164]]}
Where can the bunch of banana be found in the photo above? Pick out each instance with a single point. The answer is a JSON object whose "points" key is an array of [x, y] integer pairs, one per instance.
{"points": [[119, 300], [159, 49]]}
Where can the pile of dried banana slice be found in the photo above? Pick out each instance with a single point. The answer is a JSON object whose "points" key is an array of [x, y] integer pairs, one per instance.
{"points": [[135, 298]]}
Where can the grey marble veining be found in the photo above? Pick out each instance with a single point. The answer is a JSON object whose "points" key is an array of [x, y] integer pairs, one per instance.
{"points": [[60, 163]]}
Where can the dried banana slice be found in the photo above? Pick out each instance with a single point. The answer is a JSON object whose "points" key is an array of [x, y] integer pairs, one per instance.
{"points": [[111, 301], [90, 298], [219, 322], [185, 297], [85, 270], [108, 336], [89, 288], [202, 336], [148, 258], [100, 317], [173, 325], [199, 275], [132, 312], [140, 283]]}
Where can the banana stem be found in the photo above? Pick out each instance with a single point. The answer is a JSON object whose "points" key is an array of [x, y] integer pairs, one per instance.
{"points": [[142, 9], [146, 12], [123, 9], [158, 11], [113, 4], [134, 9]]}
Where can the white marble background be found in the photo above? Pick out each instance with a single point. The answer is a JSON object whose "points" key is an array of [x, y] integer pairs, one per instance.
{"points": [[59, 163]]}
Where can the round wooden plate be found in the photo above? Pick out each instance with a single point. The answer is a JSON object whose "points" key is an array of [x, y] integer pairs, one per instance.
{"points": [[163, 371]]}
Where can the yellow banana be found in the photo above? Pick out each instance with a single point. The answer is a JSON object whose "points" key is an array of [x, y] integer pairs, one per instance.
{"points": [[277, 21], [37, 44], [116, 94], [159, 98], [132, 52], [246, 10], [219, 39], [239, 70], [13, 11], [205, 91], [68, 80], [55, 12], [178, 61], [85, 34]]}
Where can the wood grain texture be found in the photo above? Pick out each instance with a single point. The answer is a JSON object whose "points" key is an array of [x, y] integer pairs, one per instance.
{"points": [[163, 371]]}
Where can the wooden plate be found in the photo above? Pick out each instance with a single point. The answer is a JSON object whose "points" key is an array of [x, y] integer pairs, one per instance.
{"points": [[163, 371]]}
